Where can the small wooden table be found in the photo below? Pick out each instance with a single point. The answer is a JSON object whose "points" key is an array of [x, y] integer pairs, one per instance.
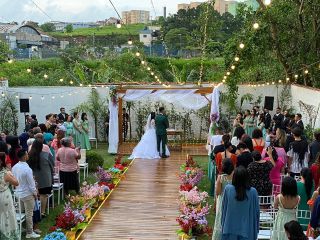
{"points": [[175, 144]]}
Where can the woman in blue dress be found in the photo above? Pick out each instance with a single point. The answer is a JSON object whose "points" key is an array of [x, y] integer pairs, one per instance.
{"points": [[240, 208], [250, 122]]}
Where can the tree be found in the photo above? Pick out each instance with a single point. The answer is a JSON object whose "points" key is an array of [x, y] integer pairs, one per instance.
{"points": [[4, 51], [177, 39], [69, 28], [48, 27]]}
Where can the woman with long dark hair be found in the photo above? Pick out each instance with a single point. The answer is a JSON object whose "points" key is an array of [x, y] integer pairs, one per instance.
{"points": [[287, 203], [85, 143], [315, 169], [294, 231], [240, 208], [13, 142], [305, 191], [278, 165], [227, 153], [42, 165], [237, 135]]}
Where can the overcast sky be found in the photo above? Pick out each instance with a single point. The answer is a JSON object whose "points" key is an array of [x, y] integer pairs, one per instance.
{"points": [[77, 10]]}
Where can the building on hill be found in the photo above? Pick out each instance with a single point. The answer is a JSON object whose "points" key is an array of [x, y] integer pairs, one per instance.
{"points": [[186, 6], [147, 35], [61, 26], [25, 41], [135, 17], [107, 22], [230, 6]]}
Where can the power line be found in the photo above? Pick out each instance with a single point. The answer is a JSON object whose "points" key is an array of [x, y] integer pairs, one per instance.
{"points": [[41, 10], [154, 9]]}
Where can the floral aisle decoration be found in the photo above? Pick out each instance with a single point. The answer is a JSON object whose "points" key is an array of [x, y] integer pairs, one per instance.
{"points": [[193, 204], [70, 221], [104, 178], [94, 193], [56, 235]]}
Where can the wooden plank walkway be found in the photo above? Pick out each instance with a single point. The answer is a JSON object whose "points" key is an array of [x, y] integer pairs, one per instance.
{"points": [[144, 205]]}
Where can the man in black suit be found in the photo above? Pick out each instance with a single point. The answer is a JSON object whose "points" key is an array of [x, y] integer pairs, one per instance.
{"points": [[63, 116], [277, 118], [285, 121], [267, 119], [298, 122]]}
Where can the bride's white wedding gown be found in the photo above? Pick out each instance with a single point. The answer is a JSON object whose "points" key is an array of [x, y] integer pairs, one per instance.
{"points": [[147, 147]]}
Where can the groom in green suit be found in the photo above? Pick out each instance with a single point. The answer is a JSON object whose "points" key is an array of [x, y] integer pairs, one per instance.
{"points": [[162, 124]]}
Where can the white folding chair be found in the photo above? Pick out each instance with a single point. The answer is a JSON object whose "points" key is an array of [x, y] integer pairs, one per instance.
{"points": [[21, 217], [57, 185], [50, 196], [266, 202], [82, 162], [276, 189], [304, 216], [266, 222], [297, 178]]}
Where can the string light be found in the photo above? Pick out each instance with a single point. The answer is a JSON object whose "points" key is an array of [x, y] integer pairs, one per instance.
{"points": [[273, 83], [30, 97], [228, 73], [42, 97], [233, 67], [152, 73], [280, 81], [29, 70], [296, 76], [137, 54], [142, 62], [223, 80], [288, 79], [268, 84], [2, 94], [237, 59], [61, 96], [256, 25], [224, 77], [61, 80], [71, 82], [267, 2], [130, 41], [45, 76], [53, 97], [148, 68], [306, 71], [118, 25], [241, 46], [10, 61], [17, 96], [81, 85]]}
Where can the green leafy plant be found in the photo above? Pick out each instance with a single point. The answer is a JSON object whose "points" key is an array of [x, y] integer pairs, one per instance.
{"points": [[94, 159]]}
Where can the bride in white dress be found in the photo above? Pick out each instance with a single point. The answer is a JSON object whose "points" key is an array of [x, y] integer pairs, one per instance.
{"points": [[147, 147]]}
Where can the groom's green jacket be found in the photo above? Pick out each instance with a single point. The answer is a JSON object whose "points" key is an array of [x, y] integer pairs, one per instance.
{"points": [[162, 124]]}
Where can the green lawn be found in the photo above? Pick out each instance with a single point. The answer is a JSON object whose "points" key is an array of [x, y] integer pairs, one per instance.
{"points": [[102, 31]]}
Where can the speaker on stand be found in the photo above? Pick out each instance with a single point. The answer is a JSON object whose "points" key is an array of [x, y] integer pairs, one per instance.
{"points": [[268, 103], [24, 107]]}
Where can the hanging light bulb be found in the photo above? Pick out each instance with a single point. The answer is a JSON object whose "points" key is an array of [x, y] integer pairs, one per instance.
{"points": [[42, 97], [29, 70], [263, 85], [2, 94], [288, 79], [130, 41], [61, 80], [224, 77], [81, 85], [70, 94], [223, 80], [71, 82], [118, 25], [138, 54], [45, 76], [267, 2], [228, 73], [241, 46], [273, 83], [142, 62], [10, 61], [156, 77], [152, 73], [233, 67], [306, 71], [237, 59], [256, 25], [17, 96], [148, 68], [53, 97], [280, 81], [89, 85], [268, 83], [30, 97], [296, 76], [61, 96]]}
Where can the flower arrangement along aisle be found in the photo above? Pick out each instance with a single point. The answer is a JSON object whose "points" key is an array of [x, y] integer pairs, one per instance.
{"points": [[56, 235], [93, 193], [118, 168], [193, 204], [104, 178]]}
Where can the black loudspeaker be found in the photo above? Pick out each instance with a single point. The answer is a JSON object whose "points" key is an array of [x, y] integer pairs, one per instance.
{"points": [[24, 105], [268, 103]]}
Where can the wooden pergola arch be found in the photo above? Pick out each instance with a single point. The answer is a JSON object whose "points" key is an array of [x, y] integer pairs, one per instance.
{"points": [[121, 89]]}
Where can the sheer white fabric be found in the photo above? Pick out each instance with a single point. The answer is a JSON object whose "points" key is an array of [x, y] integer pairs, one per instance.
{"points": [[147, 147], [113, 128], [215, 102]]}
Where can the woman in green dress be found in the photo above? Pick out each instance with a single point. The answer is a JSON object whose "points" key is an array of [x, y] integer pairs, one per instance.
{"points": [[222, 181], [250, 122], [77, 130], [85, 143], [69, 126], [305, 191]]}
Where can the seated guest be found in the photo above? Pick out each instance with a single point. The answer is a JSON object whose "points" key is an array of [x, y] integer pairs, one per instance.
{"points": [[244, 158], [42, 165], [240, 208], [222, 181], [257, 140], [67, 158], [305, 191], [278, 165], [259, 172], [294, 231], [298, 153], [225, 154], [237, 135], [26, 190], [287, 203]]}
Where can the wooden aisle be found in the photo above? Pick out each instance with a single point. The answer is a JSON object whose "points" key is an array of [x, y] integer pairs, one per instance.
{"points": [[144, 205]]}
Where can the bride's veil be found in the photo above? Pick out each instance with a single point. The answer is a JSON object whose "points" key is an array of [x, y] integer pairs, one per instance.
{"points": [[148, 124]]}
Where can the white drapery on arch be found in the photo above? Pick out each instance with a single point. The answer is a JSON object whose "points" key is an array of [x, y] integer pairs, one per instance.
{"points": [[186, 98]]}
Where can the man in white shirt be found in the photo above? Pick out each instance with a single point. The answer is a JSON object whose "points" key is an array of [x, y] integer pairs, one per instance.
{"points": [[26, 191]]}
